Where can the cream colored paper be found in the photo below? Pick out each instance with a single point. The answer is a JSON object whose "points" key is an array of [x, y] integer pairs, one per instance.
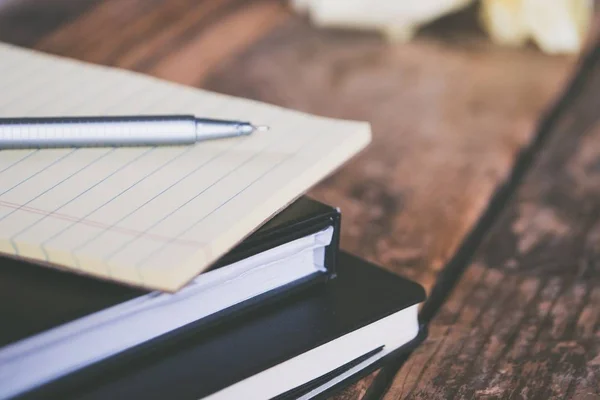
{"points": [[149, 217]]}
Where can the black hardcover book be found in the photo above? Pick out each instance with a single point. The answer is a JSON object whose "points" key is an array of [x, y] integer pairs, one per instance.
{"points": [[306, 345], [56, 322]]}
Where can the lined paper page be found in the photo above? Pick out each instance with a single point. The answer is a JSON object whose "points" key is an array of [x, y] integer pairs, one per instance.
{"points": [[153, 217]]}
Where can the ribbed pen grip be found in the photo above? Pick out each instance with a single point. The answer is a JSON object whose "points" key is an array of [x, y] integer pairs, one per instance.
{"points": [[90, 131]]}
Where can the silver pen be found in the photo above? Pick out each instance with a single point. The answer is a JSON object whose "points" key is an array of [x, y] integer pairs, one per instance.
{"points": [[46, 132]]}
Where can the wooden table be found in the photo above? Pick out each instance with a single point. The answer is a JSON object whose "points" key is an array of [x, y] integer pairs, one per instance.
{"points": [[482, 181]]}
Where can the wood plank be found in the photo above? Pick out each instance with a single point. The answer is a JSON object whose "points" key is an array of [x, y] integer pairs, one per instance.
{"points": [[111, 27], [443, 143], [189, 23], [448, 119], [234, 32], [179, 40], [357, 390], [450, 111], [153, 37], [23, 22], [524, 319]]}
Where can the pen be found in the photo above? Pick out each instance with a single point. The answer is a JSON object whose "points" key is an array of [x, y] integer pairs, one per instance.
{"points": [[45, 132]]}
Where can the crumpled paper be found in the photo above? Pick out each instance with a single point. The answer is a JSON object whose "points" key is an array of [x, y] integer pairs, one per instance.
{"points": [[398, 20], [555, 26]]}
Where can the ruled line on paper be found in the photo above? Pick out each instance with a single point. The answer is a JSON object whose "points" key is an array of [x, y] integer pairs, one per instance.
{"points": [[92, 223], [118, 195], [56, 184], [163, 218], [29, 154], [173, 211], [83, 192], [146, 231], [10, 81], [146, 109], [103, 111], [37, 172], [164, 190], [52, 91], [55, 211], [190, 228], [226, 201], [185, 151], [82, 96], [32, 87], [215, 210], [78, 98], [109, 214]]}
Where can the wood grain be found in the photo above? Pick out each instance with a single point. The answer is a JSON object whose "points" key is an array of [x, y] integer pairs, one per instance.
{"points": [[524, 320], [448, 119], [356, 390], [450, 113], [178, 40], [24, 22]]}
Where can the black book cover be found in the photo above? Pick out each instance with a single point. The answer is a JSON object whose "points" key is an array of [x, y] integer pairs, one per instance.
{"points": [[34, 299], [201, 363]]}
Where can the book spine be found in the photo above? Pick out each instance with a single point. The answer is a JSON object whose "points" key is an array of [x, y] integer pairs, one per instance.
{"points": [[333, 249]]}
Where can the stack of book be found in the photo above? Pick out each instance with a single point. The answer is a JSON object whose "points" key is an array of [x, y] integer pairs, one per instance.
{"points": [[182, 272]]}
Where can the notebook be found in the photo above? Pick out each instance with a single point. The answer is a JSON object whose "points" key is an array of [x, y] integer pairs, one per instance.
{"points": [[151, 217], [311, 343], [74, 321]]}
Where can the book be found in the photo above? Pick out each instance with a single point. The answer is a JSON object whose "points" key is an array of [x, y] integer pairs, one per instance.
{"points": [[307, 344], [150, 217], [56, 322]]}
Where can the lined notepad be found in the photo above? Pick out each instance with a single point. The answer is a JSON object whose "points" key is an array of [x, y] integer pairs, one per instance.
{"points": [[153, 217]]}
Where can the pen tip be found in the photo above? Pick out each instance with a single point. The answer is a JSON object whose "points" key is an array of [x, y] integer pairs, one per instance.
{"points": [[261, 128]]}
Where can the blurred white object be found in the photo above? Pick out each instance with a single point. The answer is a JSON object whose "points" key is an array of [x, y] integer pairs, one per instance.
{"points": [[397, 19], [555, 26]]}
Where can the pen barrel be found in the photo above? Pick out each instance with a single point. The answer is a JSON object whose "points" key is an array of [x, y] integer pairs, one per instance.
{"points": [[95, 132]]}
